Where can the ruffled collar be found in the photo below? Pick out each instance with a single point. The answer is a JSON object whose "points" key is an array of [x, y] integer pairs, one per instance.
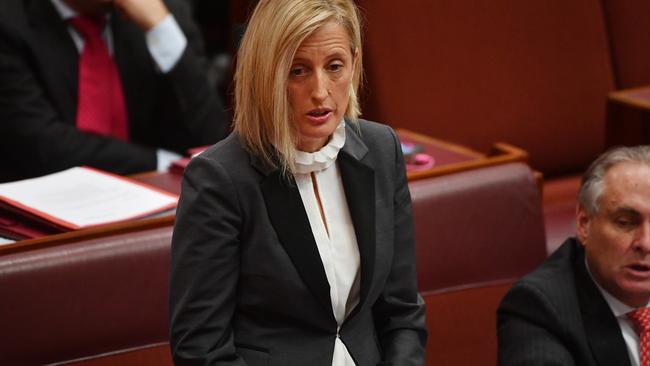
{"points": [[307, 162]]}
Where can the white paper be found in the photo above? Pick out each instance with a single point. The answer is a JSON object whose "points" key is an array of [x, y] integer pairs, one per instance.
{"points": [[85, 197], [5, 241]]}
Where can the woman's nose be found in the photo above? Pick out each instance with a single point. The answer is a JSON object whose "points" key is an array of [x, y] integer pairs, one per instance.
{"points": [[319, 90]]}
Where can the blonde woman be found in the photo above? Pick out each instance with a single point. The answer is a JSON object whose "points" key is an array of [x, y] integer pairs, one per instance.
{"points": [[294, 241]]}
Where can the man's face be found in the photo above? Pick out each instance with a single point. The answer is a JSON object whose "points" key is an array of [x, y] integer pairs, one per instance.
{"points": [[90, 7], [617, 237]]}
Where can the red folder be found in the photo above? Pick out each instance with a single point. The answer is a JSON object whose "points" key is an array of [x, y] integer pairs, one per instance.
{"points": [[178, 166]]}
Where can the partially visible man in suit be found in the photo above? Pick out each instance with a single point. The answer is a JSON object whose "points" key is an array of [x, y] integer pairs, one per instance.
{"points": [[115, 84], [587, 304]]}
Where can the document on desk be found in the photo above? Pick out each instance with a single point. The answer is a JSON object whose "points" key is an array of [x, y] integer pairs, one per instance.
{"points": [[82, 197], [6, 241]]}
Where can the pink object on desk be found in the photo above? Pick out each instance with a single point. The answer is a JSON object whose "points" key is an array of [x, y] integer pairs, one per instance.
{"points": [[420, 162]]}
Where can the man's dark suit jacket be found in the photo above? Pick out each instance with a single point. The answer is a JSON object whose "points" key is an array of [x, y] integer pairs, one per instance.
{"points": [[38, 96], [247, 283], [557, 316]]}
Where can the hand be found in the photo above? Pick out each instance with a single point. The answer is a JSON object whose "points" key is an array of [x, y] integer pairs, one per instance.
{"points": [[146, 14]]}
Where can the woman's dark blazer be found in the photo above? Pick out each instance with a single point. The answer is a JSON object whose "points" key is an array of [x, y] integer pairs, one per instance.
{"points": [[247, 283]]}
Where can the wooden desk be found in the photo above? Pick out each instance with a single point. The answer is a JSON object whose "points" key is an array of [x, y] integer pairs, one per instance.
{"points": [[628, 117], [453, 158], [449, 158]]}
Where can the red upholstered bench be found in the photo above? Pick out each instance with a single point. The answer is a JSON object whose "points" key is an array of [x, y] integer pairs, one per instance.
{"points": [[102, 300], [481, 225]]}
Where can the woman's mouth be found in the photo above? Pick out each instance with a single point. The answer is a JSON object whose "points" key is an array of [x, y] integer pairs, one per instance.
{"points": [[319, 116]]}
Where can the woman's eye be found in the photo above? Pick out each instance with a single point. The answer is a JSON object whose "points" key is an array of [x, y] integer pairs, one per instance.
{"points": [[335, 67], [297, 71]]}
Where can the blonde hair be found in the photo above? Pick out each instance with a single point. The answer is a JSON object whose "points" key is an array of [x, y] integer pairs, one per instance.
{"points": [[263, 117]]}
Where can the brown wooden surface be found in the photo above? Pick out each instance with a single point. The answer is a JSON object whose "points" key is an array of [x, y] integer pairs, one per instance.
{"points": [[628, 117], [500, 153], [85, 234], [158, 355], [462, 324], [169, 182], [634, 97], [450, 158]]}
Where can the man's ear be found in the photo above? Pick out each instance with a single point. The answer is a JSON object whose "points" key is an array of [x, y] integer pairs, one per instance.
{"points": [[583, 224]]}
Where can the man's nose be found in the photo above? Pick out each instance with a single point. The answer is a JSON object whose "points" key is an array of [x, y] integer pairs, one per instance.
{"points": [[642, 240]]}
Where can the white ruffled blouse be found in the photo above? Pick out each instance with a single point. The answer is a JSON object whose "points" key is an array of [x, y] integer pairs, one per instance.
{"points": [[317, 176]]}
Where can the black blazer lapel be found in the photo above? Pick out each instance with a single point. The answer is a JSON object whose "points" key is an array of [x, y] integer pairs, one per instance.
{"points": [[601, 327], [58, 57], [359, 184], [289, 219]]}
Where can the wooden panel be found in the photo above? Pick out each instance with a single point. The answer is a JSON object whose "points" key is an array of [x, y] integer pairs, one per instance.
{"points": [[628, 117], [462, 324], [158, 355], [629, 34], [534, 73]]}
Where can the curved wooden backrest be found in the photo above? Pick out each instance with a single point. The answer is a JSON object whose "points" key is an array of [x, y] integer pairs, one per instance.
{"points": [[462, 324]]}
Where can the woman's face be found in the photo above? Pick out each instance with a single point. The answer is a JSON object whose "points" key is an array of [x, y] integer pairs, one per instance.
{"points": [[319, 84]]}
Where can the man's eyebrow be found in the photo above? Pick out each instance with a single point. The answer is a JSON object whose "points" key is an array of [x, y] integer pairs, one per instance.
{"points": [[625, 210]]}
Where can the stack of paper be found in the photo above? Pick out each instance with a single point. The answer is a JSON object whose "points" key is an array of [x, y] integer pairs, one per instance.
{"points": [[83, 197]]}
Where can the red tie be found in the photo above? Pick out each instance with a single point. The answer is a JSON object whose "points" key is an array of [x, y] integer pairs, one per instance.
{"points": [[101, 109], [641, 320]]}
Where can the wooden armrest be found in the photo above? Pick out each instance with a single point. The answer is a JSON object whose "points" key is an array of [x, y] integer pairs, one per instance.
{"points": [[628, 120], [499, 153], [89, 233], [505, 150], [635, 97]]}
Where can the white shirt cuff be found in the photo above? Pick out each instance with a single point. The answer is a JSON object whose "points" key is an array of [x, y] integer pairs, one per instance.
{"points": [[165, 158], [166, 43]]}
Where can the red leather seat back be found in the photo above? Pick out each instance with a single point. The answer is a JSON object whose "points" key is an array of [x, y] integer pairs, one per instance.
{"points": [[477, 226], [85, 299]]}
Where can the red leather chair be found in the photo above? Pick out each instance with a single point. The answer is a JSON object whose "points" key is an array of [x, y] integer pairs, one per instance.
{"points": [[535, 74], [480, 225], [100, 301]]}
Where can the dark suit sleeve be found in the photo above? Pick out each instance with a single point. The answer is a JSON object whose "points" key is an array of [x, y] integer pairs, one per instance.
{"points": [[199, 112], [35, 140], [399, 312], [205, 268], [529, 332]]}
